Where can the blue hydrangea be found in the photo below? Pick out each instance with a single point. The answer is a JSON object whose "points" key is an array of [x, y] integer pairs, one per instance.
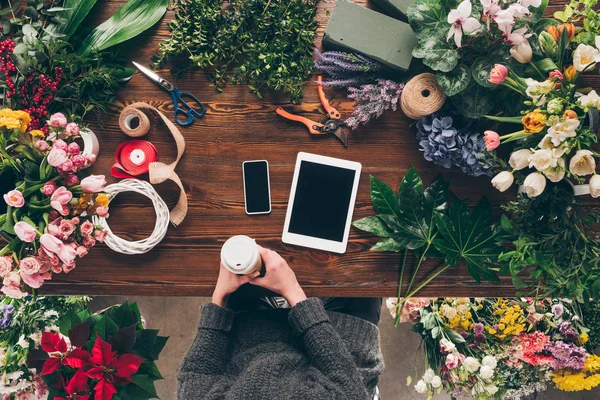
{"points": [[447, 146]]}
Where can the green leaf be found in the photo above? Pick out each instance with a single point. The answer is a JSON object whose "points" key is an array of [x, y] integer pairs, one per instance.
{"points": [[383, 198], [149, 368], [474, 102], [436, 53], [68, 321], [372, 225], [104, 327], [481, 71], [142, 388], [454, 336], [148, 344], [456, 80], [388, 244], [519, 283], [73, 14], [538, 12], [133, 18], [469, 236], [9, 223], [427, 14], [541, 25]]}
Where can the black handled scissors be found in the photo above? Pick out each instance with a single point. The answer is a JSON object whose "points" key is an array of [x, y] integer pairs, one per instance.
{"points": [[185, 114]]}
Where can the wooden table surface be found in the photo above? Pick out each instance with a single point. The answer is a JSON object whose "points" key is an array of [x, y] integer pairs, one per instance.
{"points": [[237, 127]]}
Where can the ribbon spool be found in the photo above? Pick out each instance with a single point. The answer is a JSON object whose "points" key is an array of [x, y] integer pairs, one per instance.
{"points": [[90, 142], [421, 96], [133, 158], [160, 227]]}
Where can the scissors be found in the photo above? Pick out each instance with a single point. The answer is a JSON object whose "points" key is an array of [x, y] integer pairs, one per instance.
{"points": [[178, 98]]}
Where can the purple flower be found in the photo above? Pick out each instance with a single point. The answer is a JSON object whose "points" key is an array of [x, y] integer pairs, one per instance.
{"points": [[478, 328], [568, 332], [347, 69], [557, 310], [566, 355], [6, 316], [372, 100]]}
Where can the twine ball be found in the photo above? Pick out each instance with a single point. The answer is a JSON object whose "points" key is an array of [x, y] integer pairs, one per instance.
{"points": [[422, 96]]}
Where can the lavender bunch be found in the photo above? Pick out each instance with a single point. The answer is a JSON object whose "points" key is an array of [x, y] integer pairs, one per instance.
{"points": [[347, 69], [371, 100], [6, 316], [447, 146]]}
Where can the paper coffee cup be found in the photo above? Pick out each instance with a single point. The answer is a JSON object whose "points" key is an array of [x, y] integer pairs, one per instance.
{"points": [[240, 255]]}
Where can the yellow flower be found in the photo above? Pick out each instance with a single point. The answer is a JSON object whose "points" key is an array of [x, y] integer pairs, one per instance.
{"points": [[570, 73], [14, 119], [569, 381], [101, 200], [583, 338], [37, 133], [534, 122]]}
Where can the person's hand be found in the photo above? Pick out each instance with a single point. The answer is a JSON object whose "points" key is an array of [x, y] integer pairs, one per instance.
{"points": [[279, 277], [228, 283]]}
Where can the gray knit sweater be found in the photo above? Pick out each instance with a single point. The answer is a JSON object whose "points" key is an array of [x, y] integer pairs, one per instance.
{"points": [[304, 353]]}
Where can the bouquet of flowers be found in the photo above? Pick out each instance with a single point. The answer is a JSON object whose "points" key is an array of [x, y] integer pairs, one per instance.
{"points": [[501, 348], [104, 356], [48, 210], [22, 324]]}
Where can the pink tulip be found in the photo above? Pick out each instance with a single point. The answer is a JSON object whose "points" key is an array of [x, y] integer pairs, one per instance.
{"points": [[58, 120], [57, 157], [93, 183], [25, 232], [53, 245], [49, 188], [14, 198], [498, 74], [492, 140], [60, 198], [71, 129], [558, 77]]}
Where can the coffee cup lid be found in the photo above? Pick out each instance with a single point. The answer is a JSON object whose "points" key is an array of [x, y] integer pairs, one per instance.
{"points": [[239, 253]]}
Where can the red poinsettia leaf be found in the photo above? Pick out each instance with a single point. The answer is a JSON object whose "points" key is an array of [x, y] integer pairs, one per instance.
{"points": [[61, 345], [104, 390], [50, 365], [127, 365], [49, 341], [78, 383], [95, 373], [86, 397], [102, 353], [78, 358], [80, 333], [59, 398]]}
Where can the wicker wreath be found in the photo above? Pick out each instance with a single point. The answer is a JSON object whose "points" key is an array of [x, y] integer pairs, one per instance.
{"points": [[162, 218]]}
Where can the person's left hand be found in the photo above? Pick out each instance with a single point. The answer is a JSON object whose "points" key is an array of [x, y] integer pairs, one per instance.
{"points": [[228, 283]]}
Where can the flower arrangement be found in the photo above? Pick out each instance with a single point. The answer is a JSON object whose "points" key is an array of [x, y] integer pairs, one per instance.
{"points": [[506, 349], [22, 324], [48, 210], [101, 357]]}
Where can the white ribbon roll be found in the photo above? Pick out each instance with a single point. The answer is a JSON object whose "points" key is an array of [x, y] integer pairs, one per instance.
{"points": [[90, 142]]}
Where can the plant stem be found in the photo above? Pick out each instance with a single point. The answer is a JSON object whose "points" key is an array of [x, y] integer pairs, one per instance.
{"points": [[411, 294], [412, 279], [537, 70], [402, 265]]}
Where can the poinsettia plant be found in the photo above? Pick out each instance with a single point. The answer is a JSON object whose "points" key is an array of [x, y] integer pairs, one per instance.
{"points": [[102, 357], [433, 224]]}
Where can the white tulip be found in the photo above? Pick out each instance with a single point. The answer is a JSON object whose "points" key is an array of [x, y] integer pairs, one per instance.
{"points": [[428, 375], [490, 361], [486, 372], [421, 387], [534, 184], [436, 382], [595, 186], [556, 174], [563, 130], [503, 181], [522, 52], [471, 364], [585, 56], [582, 163], [542, 159], [520, 159]]}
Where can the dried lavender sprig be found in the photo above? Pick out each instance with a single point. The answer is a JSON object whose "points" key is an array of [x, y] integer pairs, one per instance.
{"points": [[371, 100], [347, 69], [347, 82]]}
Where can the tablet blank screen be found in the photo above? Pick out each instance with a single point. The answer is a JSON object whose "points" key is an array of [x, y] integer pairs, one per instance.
{"points": [[321, 201]]}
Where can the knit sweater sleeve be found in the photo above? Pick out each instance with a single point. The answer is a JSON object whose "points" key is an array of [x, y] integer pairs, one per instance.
{"points": [[202, 370], [326, 349]]}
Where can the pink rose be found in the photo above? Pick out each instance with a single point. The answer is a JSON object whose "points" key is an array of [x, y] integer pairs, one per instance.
{"points": [[65, 211], [60, 144], [75, 220], [56, 157], [44, 260], [14, 198], [73, 149], [72, 129], [492, 140], [78, 160], [5, 266], [67, 166], [60, 198], [81, 251], [53, 245], [25, 232], [68, 267], [71, 180], [29, 266], [86, 228], [498, 74], [89, 241], [452, 361], [100, 235], [93, 183], [12, 286], [49, 188], [42, 145], [66, 228], [58, 120], [411, 312], [102, 211], [90, 158]]}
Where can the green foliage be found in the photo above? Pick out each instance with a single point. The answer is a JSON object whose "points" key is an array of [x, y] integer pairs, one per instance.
{"points": [[584, 13], [265, 44], [72, 15], [591, 319], [133, 18], [455, 81]]}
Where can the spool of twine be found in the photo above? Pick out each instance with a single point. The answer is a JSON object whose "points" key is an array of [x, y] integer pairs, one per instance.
{"points": [[422, 96], [134, 122]]}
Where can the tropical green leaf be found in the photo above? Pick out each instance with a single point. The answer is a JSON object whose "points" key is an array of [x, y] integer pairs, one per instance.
{"points": [[388, 244], [373, 225], [455, 81], [481, 71], [73, 13], [427, 14], [68, 321], [133, 18], [474, 102], [469, 236], [104, 327], [541, 25], [383, 198]]}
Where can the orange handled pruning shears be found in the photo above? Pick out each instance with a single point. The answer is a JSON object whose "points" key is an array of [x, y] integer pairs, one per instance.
{"points": [[333, 125]]}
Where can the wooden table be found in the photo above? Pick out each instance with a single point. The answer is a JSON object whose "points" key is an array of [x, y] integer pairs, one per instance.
{"points": [[237, 127]]}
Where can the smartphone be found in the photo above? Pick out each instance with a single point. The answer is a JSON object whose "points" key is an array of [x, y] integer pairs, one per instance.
{"points": [[257, 188]]}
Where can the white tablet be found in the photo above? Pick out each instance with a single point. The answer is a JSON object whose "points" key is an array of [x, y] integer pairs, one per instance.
{"points": [[321, 202]]}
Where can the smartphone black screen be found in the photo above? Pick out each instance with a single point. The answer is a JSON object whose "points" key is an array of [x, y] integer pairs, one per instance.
{"points": [[256, 186]]}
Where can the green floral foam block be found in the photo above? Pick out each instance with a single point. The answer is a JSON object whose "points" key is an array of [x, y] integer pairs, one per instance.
{"points": [[394, 8]]}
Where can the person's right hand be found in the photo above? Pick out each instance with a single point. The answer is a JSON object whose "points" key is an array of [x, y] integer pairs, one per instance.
{"points": [[279, 277]]}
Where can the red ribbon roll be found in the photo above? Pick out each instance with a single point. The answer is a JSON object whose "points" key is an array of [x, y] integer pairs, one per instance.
{"points": [[133, 158]]}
